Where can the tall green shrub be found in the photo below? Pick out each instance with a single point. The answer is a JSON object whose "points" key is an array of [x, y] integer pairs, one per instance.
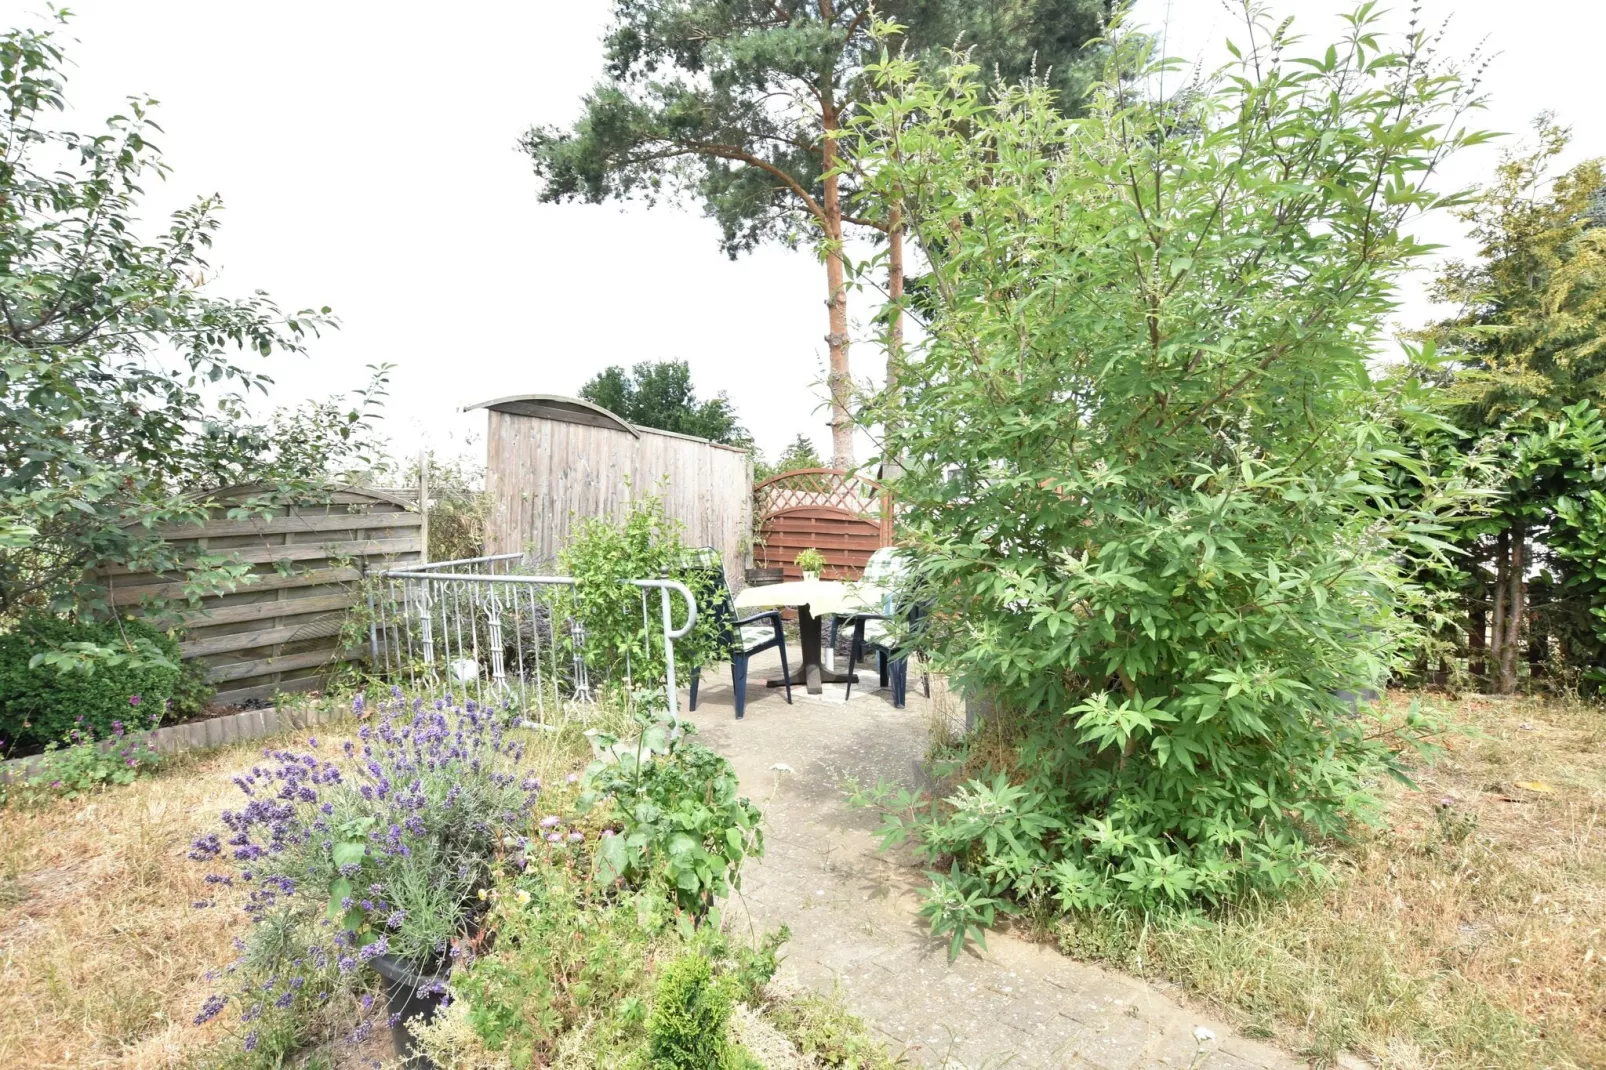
{"points": [[44, 691], [621, 632], [1142, 450]]}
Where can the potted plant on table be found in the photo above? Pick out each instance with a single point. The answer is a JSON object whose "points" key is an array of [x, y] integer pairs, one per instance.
{"points": [[378, 854], [811, 562]]}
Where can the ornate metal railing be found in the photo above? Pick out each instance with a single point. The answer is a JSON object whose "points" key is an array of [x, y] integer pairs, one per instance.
{"points": [[484, 628]]}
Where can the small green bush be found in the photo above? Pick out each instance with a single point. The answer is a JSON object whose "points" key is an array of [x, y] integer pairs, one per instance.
{"points": [[98, 673], [192, 694], [690, 1012]]}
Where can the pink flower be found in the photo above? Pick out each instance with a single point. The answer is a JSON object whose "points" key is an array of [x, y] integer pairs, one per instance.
{"points": [[133, 700]]}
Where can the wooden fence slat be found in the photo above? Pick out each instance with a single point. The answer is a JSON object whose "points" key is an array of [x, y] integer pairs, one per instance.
{"points": [[312, 659], [128, 596], [308, 551], [295, 524], [287, 607], [224, 644], [262, 692]]}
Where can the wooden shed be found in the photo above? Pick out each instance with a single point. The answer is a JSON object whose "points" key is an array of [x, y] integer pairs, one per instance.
{"points": [[551, 460]]}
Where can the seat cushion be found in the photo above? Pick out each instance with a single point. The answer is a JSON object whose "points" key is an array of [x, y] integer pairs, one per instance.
{"points": [[874, 631], [754, 634], [885, 567]]}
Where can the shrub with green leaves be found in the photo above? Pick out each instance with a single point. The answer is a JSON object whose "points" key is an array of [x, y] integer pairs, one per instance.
{"points": [[690, 1011], [683, 820], [1142, 452], [621, 633], [57, 675]]}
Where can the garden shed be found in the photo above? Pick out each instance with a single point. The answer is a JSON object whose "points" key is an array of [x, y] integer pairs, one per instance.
{"points": [[551, 460]]}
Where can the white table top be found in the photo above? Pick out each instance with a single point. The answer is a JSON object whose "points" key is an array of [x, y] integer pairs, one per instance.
{"points": [[821, 596]]}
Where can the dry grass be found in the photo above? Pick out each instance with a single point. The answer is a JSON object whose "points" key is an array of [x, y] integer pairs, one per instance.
{"points": [[102, 955], [1466, 935]]}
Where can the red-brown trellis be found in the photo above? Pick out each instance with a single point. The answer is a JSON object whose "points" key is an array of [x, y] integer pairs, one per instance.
{"points": [[845, 517]]}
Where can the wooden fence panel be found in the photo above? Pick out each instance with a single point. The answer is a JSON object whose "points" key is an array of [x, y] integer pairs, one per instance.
{"points": [[281, 630], [842, 516]]}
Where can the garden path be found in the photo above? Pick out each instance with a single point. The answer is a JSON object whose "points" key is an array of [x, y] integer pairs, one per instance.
{"points": [[852, 910]]}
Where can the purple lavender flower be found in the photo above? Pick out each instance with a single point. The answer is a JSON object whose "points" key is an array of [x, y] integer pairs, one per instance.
{"points": [[211, 1009]]}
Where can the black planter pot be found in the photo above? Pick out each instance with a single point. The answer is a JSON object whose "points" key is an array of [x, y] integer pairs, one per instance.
{"points": [[406, 1004], [764, 577]]}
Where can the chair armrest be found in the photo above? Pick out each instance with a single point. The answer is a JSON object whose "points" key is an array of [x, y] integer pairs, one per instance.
{"points": [[756, 617]]}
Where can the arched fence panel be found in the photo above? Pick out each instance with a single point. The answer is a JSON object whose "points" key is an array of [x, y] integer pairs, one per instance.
{"points": [[845, 517]]}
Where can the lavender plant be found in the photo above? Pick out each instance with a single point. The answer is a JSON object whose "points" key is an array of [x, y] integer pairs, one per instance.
{"points": [[383, 847]]}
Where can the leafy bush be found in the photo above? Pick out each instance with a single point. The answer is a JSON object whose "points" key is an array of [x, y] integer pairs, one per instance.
{"points": [[573, 964], [1142, 453], [192, 692], [602, 554], [58, 676], [682, 819], [690, 1012], [459, 507]]}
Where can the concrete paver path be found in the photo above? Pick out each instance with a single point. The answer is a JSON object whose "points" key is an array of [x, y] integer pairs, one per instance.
{"points": [[852, 910]]}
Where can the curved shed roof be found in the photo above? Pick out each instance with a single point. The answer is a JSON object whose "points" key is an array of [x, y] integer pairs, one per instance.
{"points": [[556, 407]]}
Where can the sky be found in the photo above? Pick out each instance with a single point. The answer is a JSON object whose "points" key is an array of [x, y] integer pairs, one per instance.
{"points": [[367, 157]]}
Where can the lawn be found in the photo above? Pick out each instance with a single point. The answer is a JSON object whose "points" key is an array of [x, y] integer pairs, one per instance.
{"points": [[1464, 930]]}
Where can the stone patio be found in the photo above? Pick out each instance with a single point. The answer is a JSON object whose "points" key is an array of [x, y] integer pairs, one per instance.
{"points": [[852, 910]]}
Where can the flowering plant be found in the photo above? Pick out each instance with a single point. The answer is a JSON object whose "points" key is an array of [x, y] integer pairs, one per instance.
{"points": [[386, 846], [84, 760]]}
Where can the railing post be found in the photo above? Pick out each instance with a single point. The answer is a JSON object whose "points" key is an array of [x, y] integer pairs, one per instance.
{"points": [[669, 658]]}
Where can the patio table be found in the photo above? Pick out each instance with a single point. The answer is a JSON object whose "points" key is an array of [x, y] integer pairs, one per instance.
{"points": [[814, 600]]}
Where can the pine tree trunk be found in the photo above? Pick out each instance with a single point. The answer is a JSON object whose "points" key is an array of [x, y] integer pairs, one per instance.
{"points": [[839, 381], [1478, 643]]}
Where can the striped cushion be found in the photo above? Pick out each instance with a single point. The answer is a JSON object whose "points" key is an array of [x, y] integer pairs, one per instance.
{"points": [[756, 633], [885, 567]]}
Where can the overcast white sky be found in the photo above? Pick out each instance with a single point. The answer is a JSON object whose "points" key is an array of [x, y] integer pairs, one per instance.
{"points": [[366, 154]]}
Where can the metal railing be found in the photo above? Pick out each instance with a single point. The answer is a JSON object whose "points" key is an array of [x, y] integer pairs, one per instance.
{"points": [[481, 626]]}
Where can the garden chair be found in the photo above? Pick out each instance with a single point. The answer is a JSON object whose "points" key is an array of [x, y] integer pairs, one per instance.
{"points": [[740, 637], [870, 632]]}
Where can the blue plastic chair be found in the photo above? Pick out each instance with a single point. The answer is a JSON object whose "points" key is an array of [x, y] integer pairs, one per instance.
{"points": [[742, 637]]}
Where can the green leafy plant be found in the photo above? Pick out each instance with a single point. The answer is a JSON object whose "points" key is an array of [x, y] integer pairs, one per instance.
{"points": [[623, 635], [961, 907], [690, 1011], [58, 676], [82, 761], [810, 560], [192, 692], [1143, 462], [682, 819]]}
